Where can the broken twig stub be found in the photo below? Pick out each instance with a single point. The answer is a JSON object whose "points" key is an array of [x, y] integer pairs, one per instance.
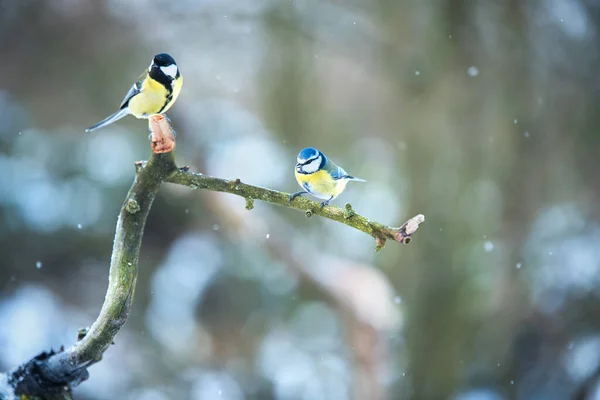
{"points": [[404, 233]]}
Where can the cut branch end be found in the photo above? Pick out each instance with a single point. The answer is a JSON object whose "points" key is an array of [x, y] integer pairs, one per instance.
{"points": [[162, 137]]}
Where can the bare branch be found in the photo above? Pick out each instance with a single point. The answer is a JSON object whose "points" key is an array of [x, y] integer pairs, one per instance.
{"points": [[346, 216], [51, 375]]}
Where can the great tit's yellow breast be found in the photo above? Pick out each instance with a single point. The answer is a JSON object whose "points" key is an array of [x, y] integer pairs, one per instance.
{"points": [[150, 100], [177, 83], [321, 184]]}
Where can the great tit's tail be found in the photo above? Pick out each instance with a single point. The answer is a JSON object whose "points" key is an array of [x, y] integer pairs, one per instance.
{"points": [[109, 120], [353, 178]]}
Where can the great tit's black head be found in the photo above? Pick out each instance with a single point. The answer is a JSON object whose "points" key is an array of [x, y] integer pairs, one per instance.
{"points": [[162, 63], [310, 161], [163, 60]]}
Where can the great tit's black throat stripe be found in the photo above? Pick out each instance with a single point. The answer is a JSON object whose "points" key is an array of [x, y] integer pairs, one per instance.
{"points": [[167, 101], [159, 76]]}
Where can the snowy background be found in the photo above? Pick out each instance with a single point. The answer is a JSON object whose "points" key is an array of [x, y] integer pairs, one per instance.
{"points": [[482, 115]]}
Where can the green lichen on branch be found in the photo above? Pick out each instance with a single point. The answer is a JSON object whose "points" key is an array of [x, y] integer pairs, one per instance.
{"points": [[346, 216]]}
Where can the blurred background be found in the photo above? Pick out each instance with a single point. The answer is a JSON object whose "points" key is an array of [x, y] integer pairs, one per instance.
{"points": [[482, 115]]}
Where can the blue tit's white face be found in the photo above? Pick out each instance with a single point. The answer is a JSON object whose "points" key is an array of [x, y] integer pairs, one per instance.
{"points": [[309, 161]]}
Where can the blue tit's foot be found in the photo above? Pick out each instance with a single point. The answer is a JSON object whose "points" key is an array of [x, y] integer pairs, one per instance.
{"points": [[167, 118], [185, 168], [294, 195], [326, 202]]}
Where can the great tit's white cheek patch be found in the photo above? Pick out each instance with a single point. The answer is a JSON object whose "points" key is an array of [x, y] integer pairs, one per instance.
{"points": [[312, 166], [170, 70]]}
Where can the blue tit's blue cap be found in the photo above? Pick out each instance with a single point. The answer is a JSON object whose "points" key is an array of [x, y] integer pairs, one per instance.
{"points": [[307, 154]]}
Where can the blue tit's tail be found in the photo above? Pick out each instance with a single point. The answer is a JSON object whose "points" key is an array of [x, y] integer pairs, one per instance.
{"points": [[353, 178], [109, 120]]}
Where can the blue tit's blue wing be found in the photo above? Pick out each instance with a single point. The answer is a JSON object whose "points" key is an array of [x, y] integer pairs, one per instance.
{"points": [[335, 170], [338, 172]]}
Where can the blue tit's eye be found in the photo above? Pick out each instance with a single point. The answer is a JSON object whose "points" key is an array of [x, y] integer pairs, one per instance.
{"points": [[312, 165]]}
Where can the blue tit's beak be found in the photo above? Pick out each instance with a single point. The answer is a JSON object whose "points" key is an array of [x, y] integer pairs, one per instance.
{"points": [[298, 167]]}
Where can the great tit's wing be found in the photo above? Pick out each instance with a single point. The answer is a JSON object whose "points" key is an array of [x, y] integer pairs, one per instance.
{"points": [[135, 89], [109, 120]]}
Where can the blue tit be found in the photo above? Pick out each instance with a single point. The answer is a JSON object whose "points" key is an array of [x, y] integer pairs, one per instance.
{"points": [[320, 176], [154, 92]]}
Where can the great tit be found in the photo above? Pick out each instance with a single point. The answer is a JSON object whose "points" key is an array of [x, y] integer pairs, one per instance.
{"points": [[320, 176], [154, 92]]}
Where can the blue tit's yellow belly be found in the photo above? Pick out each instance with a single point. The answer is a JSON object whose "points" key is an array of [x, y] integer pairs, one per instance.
{"points": [[153, 98], [320, 184]]}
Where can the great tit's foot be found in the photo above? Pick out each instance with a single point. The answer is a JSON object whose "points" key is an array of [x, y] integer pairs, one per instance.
{"points": [[294, 195], [170, 125], [185, 168]]}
